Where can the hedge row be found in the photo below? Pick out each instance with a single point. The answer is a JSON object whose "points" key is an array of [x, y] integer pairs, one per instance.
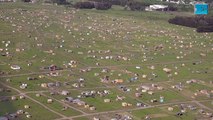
{"points": [[205, 29], [84, 5], [106, 4], [102, 5], [202, 23], [113, 2], [137, 6], [91, 5]]}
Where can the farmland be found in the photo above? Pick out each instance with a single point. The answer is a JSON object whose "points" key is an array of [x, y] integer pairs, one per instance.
{"points": [[79, 64]]}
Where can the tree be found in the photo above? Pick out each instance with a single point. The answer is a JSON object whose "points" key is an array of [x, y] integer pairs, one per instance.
{"points": [[60, 2], [102, 5], [84, 5], [26, 0]]}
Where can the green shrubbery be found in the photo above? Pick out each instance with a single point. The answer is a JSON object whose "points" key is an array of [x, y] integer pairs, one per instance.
{"points": [[102, 5], [91, 5], [113, 2], [58, 2], [84, 5], [137, 6], [202, 23], [107, 4]]}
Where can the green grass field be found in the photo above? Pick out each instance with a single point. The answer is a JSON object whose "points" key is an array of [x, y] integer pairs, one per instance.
{"points": [[122, 42]]}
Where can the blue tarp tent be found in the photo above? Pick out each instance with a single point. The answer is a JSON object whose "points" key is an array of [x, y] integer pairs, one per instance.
{"points": [[201, 9]]}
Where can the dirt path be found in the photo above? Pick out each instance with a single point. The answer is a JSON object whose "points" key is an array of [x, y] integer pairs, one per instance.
{"points": [[203, 106], [32, 73], [65, 104], [94, 67], [63, 116], [140, 108]]}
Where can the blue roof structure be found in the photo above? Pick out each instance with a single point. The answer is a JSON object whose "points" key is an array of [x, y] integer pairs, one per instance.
{"points": [[201, 9]]}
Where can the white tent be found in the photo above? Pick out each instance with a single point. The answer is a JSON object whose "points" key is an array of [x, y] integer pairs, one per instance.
{"points": [[156, 7]]}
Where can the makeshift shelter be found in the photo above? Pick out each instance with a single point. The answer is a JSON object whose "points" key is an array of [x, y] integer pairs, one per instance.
{"points": [[15, 67], [156, 8]]}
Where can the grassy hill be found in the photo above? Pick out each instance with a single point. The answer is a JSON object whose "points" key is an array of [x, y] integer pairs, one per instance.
{"points": [[118, 43]]}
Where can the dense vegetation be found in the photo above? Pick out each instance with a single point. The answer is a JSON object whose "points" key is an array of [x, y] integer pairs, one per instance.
{"points": [[85, 5], [113, 2], [90, 5], [102, 5], [134, 5], [130, 4], [202, 23]]}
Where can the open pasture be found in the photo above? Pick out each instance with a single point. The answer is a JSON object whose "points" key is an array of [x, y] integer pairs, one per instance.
{"points": [[83, 64]]}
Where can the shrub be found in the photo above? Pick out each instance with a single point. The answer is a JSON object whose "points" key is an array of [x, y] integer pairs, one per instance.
{"points": [[202, 23], [60, 2], [139, 6], [26, 0], [205, 29], [184, 21], [102, 5], [171, 8], [84, 5], [113, 2]]}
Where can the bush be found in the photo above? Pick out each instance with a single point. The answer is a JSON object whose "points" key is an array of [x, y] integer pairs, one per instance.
{"points": [[102, 6], [60, 2], [202, 23], [119, 2], [113, 2], [139, 6], [26, 0], [192, 21], [84, 5], [205, 29], [184, 21], [91, 5], [171, 8]]}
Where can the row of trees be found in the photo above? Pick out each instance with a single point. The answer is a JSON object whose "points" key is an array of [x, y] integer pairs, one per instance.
{"points": [[202, 23], [106, 4], [114, 2], [91, 5], [59, 2], [133, 5], [137, 6], [84, 5], [100, 4]]}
